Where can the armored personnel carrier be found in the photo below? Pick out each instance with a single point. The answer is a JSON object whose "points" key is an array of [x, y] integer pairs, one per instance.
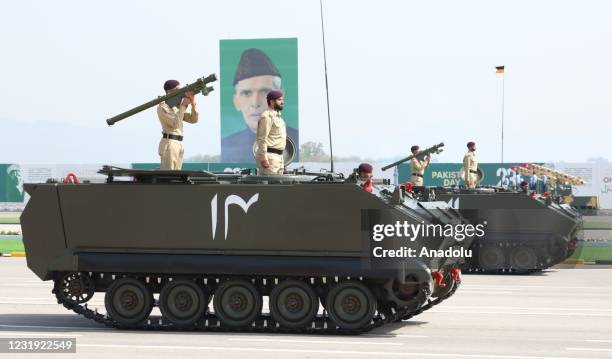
{"points": [[179, 240], [524, 233]]}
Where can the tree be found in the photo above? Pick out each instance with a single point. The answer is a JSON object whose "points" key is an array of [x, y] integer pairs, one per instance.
{"points": [[313, 152], [203, 159]]}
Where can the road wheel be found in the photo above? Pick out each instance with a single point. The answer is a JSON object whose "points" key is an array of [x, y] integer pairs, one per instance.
{"points": [[491, 257], [293, 304], [351, 305], [523, 259], [237, 303], [128, 301], [182, 302]]}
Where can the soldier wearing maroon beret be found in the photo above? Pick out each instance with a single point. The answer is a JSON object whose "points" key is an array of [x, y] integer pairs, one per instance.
{"points": [[271, 136], [418, 166], [470, 166], [172, 113], [362, 176]]}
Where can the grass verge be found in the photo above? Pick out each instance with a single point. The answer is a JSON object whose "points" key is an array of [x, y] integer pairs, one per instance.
{"points": [[9, 220], [11, 245]]}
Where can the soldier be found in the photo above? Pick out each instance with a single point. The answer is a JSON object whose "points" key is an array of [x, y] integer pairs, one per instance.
{"points": [[470, 166], [171, 114], [271, 136], [418, 166], [362, 176]]}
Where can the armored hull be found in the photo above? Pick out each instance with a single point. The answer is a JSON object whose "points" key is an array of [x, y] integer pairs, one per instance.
{"points": [[181, 239], [523, 233]]}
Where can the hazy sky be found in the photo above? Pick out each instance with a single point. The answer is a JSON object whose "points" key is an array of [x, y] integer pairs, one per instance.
{"points": [[400, 73]]}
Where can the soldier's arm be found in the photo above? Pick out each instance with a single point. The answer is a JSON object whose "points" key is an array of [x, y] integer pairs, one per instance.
{"points": [[191, 117], [466, 167], [168, 117], [263, 129]]}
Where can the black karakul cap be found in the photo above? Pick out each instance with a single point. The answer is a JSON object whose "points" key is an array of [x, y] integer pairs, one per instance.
{"points": [[254, 62]]}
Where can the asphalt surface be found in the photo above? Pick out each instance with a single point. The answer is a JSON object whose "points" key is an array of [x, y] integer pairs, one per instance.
{"points": [[560, 313]]}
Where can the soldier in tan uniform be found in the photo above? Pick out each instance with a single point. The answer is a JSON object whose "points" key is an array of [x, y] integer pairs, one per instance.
{"points": [[418, 166], [271, 137], [171, 115], [470, 166]]}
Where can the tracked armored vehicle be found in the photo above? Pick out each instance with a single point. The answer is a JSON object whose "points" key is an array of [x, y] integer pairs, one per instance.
{"points": [[523, 233], [179, 240]]}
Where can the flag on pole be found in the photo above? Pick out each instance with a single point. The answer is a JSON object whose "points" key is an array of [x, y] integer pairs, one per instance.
{"points": [[499, 69]]}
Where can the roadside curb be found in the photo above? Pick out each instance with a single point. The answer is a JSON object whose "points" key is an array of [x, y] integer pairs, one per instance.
{"points": [[573, 261], [13, 254]]}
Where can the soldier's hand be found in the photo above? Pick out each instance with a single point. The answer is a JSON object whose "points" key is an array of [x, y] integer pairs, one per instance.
{"points": [[185, 102], [265, 164], [191, 97]]}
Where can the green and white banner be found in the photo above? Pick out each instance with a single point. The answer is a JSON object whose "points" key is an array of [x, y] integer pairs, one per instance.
{"points": [[451, 174]]}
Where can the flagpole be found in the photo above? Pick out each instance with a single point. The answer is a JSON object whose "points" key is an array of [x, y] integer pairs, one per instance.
{"points": [[502, 115]]}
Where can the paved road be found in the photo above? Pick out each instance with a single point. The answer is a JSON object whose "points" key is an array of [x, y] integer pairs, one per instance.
{"points": [[561, 313]]}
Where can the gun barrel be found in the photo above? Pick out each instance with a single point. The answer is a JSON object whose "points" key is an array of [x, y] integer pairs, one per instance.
{"points": [[198, 86], [433, 149]]}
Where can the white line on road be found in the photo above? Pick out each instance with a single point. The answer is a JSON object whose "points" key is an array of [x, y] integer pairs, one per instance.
{"points": [[480, 292], [591, 349], [511, 286], [598, 341], [29, 303], [312, 341], [37, 334], [311, 351], [441, 311], [48, 327], [519, 308], [394, 335]]}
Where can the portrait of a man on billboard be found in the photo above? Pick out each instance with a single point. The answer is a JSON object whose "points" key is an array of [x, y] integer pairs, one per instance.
{"points": [[243, 98]]}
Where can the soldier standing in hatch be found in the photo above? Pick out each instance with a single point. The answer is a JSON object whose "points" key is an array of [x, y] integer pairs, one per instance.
{"points": [[172, 113], [418, 166], [271, 136], [470, 166]]}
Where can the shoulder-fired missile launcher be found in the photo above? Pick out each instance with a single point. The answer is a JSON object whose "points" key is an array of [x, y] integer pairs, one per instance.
{"points": [[179, 240]]}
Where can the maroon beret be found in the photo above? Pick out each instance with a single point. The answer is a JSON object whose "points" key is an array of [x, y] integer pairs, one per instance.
{"points": [[471, 144], [170, 84], [414, 148], [274, 95], [365, 167]]}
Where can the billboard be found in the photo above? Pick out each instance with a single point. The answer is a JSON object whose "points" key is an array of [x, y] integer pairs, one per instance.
{"points": [[451, 174], [249, 70], [11, 183], [598, 177]]}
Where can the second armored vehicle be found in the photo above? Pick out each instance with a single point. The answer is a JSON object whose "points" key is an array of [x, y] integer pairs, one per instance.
{"points": [[524, 233]]}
